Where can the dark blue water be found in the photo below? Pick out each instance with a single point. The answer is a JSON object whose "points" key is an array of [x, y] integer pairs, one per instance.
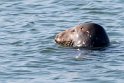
{"points": [[29, 54]]}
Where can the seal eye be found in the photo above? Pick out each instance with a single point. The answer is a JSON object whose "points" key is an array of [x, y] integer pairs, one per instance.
{"points": [[82, 28]]}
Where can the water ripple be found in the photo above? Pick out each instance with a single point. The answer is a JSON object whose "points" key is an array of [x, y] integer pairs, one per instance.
{"points": [[28, 52]]}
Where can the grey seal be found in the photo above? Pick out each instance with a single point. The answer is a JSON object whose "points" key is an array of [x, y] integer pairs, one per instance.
{"points": [[85, 35]]}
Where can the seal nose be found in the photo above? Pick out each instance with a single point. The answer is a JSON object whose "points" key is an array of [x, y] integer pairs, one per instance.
{"points": [[57, 38]]}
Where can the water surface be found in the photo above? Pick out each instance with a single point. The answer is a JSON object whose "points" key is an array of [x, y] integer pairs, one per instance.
{"points": [[29, 54]]}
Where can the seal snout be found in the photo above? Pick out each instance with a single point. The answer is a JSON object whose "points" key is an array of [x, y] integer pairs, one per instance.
{"points": [[58, 38]]}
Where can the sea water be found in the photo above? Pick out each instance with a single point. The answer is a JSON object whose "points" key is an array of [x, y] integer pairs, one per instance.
{"points": [[28, 53]]}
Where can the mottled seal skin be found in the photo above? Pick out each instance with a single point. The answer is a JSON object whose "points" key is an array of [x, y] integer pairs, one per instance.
{"points": [[86, 35]]}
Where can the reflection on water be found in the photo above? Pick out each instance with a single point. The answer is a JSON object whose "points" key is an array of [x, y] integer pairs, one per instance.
{"points": [[28, 52]]}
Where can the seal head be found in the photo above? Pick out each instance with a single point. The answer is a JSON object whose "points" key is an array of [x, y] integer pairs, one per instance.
{"points": [[86, 35]]}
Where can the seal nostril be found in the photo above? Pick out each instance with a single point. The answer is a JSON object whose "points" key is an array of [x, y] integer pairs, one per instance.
{"points": [[55, 40]]}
